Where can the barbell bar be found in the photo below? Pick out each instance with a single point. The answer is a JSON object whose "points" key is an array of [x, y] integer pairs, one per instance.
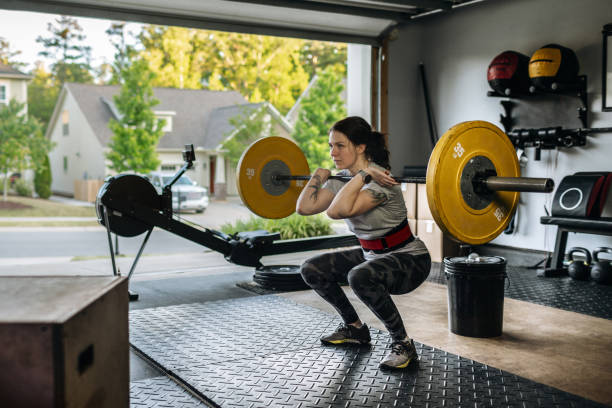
{"points": [[490, 183], [472, 183]]}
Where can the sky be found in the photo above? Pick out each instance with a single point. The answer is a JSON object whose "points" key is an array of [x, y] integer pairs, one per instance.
{"points": [[21, 28]]}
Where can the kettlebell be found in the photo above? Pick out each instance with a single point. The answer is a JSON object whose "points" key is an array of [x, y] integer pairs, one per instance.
{"points": [[579, 269], [601, 271]]}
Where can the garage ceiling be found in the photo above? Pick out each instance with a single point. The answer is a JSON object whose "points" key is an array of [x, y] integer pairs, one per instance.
{"points": [[355, 21]]}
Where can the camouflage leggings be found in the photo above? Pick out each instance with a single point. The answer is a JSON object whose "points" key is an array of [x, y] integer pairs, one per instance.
{"points": [[373, 281]]}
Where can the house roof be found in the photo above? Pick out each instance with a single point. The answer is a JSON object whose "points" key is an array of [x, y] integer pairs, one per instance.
{"points": [[6, 71], [219, 126], [193, 112]]}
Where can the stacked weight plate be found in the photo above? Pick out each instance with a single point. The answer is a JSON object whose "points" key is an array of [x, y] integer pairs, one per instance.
{"points": [[280, 277]]}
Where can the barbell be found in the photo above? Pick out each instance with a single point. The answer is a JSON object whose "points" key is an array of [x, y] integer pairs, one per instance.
{"points": [[472, 181]]}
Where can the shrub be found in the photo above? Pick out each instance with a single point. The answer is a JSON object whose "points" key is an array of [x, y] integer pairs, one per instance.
{"points": [[22, 188], [42, 179], [292, 227]]}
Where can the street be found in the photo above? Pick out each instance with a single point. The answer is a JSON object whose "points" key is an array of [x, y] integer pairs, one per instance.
{"points": [[20, 243], [82, 242], [36, 242]]}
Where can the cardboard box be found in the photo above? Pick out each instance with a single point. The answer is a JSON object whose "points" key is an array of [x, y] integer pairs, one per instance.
{"points": [[423, 212], [437, 243], [409, 191], [412, 223], [64, 341]]}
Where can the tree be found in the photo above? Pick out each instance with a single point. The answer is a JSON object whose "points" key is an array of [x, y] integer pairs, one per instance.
{"points": [[42, 179], [23, 144], [318, 111], [175, 55], [42, 95], [136, 134], [251, 124], [317, 56], [66, 47], [7, 56], [260, 67], [123, 52]]}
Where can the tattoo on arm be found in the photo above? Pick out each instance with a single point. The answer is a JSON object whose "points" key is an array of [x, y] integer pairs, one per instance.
{"points": [[316, 186], [377, 196]]}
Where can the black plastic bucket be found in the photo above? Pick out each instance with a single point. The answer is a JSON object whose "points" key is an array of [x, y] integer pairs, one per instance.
{"points": [[475, 294]]}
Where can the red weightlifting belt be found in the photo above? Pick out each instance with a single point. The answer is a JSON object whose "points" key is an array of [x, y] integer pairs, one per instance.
{"points": [[395, 238]]}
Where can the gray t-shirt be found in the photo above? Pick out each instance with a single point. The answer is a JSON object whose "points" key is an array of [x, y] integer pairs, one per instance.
{"points": [[382, 218]]}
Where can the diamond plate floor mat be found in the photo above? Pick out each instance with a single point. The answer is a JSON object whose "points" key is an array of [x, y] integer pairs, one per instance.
{"points": [[161, 392], [203, 333], [344, 377], [264, 351], [564, 293]]}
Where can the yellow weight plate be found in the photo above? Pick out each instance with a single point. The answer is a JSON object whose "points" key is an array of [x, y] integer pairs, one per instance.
{"points": [[278, 154], [452, 153]]}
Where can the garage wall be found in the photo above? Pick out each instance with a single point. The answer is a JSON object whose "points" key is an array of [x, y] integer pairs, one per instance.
{"points": [[456, 50]]}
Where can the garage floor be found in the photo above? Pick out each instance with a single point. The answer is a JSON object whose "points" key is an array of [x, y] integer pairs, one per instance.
{"points": [[197, 341]]}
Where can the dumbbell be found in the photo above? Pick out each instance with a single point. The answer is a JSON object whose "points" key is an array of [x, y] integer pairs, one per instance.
{"points": [[601, 271], [579, 269]]}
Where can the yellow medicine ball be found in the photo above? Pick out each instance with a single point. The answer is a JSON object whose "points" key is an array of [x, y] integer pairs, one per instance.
{"points": [[553, 63]]}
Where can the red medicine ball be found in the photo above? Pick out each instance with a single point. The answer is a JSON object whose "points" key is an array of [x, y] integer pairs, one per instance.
{"points": [[508, 73]]}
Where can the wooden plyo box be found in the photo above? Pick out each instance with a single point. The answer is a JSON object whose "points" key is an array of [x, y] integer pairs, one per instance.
{"points": [[64, 341]]}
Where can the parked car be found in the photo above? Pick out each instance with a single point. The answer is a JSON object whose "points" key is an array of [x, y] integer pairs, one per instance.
{"points": [[13, 178], [186, 194]]}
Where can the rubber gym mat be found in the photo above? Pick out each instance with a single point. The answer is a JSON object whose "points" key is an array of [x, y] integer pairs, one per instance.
{"points": [[264, 351], [565, 293]]}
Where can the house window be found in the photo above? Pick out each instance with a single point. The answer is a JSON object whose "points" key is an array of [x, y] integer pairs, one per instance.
{"points": [[3, 95], [65, 120], [168, 125], [65, 164], [168, 167], [167, 116]]}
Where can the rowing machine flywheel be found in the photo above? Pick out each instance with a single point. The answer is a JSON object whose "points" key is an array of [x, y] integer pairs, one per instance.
{"points": [[133, 190]]}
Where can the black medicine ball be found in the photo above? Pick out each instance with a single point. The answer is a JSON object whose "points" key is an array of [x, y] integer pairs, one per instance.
{"points": [[553, 63], [508, 74]]}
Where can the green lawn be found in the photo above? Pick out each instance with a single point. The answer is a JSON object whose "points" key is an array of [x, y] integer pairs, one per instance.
{"points": [[37, 207]]}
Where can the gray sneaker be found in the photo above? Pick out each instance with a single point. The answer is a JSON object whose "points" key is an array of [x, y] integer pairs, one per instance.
{"points": [[345, 333], [402, 353]]}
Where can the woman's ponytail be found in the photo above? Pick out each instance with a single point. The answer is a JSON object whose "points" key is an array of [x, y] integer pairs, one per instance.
{"points": [[376, 149]]}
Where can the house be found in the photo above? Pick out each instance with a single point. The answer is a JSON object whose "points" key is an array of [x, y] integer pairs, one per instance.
{"points": [[79, 129], [13, 85]]}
